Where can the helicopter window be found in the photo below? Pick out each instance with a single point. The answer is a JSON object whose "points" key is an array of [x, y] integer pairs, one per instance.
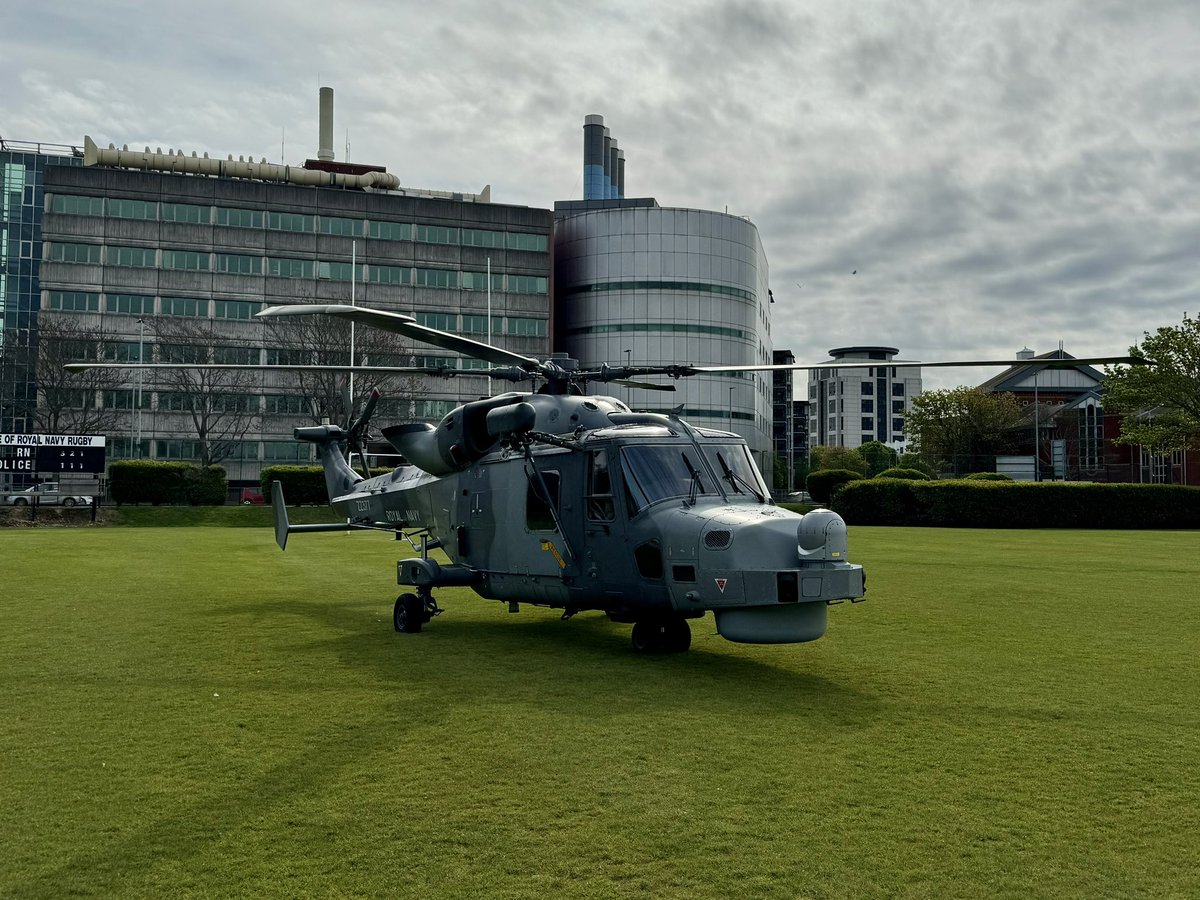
{"points": [[538, 514], [665, 470], [648, 557], [733, 465], [599, 498]]}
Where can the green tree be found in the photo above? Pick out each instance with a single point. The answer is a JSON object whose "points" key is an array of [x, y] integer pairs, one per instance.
{"points": [[1160, 402], [878, 456], [821, 458], [962, 428]]}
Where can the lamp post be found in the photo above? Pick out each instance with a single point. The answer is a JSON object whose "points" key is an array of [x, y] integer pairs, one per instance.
{"points": [[731, 389], [627, 355], [136, 450]]}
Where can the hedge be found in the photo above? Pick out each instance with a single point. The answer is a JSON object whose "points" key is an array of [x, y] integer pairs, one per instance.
{"points": [[156, 482], [301, 484], [823, 483], [991, 504], [988, 476], [910, 474]]}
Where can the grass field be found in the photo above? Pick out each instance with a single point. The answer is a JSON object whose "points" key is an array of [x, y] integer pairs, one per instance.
{"points": [[189, 712]]}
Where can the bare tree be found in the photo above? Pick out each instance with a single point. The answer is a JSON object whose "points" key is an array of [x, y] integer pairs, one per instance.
{"points": [[324, 340], [77, 402], [222, 405]]}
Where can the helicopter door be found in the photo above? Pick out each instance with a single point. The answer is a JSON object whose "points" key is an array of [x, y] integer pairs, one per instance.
{"points": [[603, 546]]}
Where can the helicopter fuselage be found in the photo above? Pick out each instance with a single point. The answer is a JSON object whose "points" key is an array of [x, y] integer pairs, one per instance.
{"points": [[639, 515]]}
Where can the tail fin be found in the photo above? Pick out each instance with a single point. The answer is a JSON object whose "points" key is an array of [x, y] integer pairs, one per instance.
{"points": [[339, 477]]}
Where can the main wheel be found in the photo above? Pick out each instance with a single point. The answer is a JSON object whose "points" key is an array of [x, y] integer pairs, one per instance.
{"points": [[408, 614], [69, 501], [20, 501], [667, 635]]}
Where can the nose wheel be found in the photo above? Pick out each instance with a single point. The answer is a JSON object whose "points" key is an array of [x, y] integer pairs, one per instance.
{"points": [[412, 611], [669, 634]]}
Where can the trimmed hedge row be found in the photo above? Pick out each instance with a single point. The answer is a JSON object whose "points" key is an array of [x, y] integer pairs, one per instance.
{"points": [[910, 474], [992, 504], [156, 482], [823, 483], [302, 485]]}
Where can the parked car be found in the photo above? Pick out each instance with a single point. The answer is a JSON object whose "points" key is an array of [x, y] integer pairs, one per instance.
{"points": [[251, 497], [46, 495]]}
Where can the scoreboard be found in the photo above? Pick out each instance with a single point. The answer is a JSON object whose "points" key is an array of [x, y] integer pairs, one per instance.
{"points": [[31, 453]]}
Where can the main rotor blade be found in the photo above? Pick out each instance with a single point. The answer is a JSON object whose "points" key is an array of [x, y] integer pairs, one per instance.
{"points": [[388, 370], [407, 326], [1054, 363], [644, 385]]}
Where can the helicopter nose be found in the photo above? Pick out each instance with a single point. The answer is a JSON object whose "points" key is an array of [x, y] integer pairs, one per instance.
{"points": [[821, 535]]}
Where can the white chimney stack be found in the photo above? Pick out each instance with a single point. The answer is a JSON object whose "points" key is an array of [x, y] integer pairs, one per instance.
{"points": [[325, 148]]}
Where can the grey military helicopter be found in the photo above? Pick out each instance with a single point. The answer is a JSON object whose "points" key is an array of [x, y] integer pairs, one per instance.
{"points": [[561, 499], [572, 501]]}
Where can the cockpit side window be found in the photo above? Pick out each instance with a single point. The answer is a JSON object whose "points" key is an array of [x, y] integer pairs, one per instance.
{"points": [[735, 467], [599, 496], [538, 515]]}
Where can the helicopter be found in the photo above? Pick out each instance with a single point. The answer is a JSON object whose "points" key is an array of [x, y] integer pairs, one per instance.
{"points": [[558, 498], [562, 499]]}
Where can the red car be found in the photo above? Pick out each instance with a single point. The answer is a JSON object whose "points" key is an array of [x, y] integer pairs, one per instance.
{"points": [[251, 497]]}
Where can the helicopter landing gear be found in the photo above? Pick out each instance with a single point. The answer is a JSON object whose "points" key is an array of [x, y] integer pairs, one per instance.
{"points": [[667, 635], [408, 615]]}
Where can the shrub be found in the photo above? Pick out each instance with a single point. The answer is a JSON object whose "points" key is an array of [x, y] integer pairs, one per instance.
{"points": [[914, 461], [205, 485], [824, 483], [908, 474], [967, 503], [987, 476], [822, 458], [147, 481], [301, 484]]}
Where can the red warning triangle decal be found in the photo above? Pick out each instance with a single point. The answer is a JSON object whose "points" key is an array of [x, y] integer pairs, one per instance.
{"points": [[721, 582]]}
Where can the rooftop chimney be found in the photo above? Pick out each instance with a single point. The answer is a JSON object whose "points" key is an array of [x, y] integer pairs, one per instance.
{"points": [[1025, 353], [325, 147]]}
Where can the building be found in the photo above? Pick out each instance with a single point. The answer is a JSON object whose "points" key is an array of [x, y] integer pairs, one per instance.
{"points": [[1065, 433], [783, 424], [852, 407], [22, 170], [642, 284], [142, 243], [800, 411]]}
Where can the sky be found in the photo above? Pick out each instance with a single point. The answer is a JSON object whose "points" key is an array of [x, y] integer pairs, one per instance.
{"points": [[954, 179]]}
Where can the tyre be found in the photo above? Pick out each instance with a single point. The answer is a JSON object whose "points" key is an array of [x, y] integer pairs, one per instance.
{"points": [[20, 501], [69, 501], [408, 614]]}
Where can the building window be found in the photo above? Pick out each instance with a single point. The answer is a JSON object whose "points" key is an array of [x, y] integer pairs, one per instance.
{"points": [[438, 278], [526, 327], [186, 213], [527, 284], [868, 388], [388, 274], [472, 324], [338, 271], [75, 253], [239, 218], [287, 451], [75, 301], [182, 353], [898, 389], [73, 205], [133, 257], [868, 406], [278, 221], [440, 321], [187, 260], [184, 306], [897, 406], [132, 209], [897, 425], [178, 449], [474, 237], [120, 351], [1091, 437], [286, 405], [131, 304], [478, 281], [437, 234], [235, 264], [516, 240], [235, 309], [125, 398], [868, 423], [286, 357], [390, 231], [470, 362], [339, 226], [236, 356], [290, 268]]}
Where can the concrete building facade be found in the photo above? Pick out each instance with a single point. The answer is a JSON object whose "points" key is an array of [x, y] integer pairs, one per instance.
{"points": [[123, 248], [852, 407]]}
